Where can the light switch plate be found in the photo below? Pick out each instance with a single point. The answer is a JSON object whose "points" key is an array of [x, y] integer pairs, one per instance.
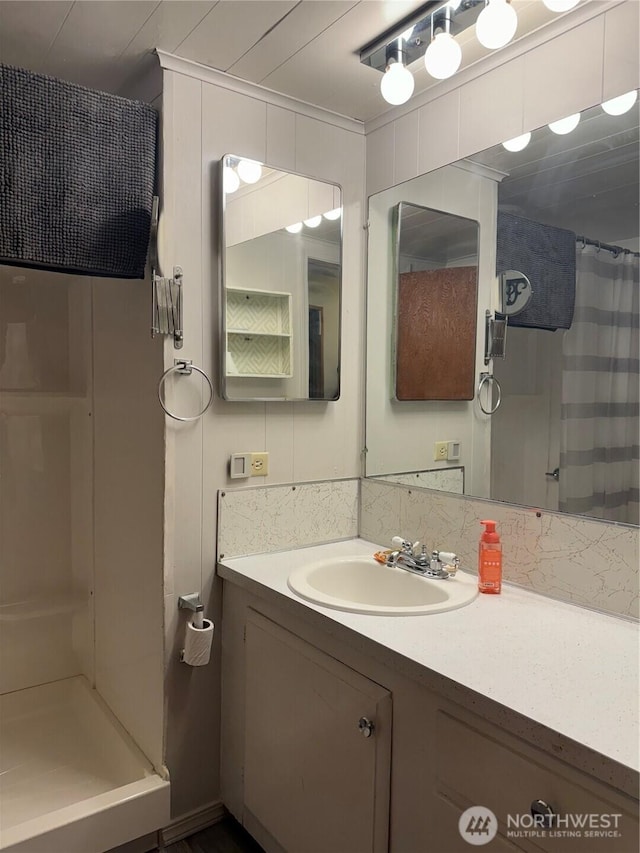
{"points": [[240, 466]]}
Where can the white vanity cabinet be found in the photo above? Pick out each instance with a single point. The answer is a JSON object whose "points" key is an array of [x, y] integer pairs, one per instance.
{"points": [[294, 687], [317, 746]]}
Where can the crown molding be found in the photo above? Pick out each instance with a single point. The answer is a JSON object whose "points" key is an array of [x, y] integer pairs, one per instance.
{"points": [[170, 62], [569, 21]]}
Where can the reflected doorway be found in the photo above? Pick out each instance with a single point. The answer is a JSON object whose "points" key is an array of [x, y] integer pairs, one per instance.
{"points": [[323, 291]]}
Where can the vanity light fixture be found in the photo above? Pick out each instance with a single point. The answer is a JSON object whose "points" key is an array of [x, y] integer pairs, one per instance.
{"points": [[230, 180], [615, 107], [622, 104], [444, 55], [560, 5], [430, 32], [336, 213], [296, 228], [518, 143], [250, 171], [397, 84], [313, 222], [565, 125], [496, 24]]}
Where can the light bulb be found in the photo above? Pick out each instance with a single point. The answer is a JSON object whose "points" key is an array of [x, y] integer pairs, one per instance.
{"points": [[313, 222], [620, 105], [397, 84], [443, 56], [296, 228], [518, 143], [336, 213], [230, 180], [496, 24], [560, 5], [565, 125], [250, 171]]}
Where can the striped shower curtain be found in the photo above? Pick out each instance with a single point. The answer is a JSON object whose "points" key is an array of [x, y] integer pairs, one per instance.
{"points": [[600, 381]]}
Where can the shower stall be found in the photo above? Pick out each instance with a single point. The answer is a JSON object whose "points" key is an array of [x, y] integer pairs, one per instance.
{"points": [[81, 563]]}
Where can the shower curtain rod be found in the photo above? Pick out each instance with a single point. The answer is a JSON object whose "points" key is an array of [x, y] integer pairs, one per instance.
{"points": [[616, 250]]}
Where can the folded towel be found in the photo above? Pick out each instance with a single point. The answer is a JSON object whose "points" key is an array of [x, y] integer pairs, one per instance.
{"points": [[77, 176], [547, 256]]}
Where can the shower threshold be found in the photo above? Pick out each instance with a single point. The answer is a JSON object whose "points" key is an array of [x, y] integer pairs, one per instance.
{"points": [[71, 778]]}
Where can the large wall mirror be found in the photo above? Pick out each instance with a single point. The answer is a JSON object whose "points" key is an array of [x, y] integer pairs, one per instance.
{"points": [[563, 210], [281, 272]]}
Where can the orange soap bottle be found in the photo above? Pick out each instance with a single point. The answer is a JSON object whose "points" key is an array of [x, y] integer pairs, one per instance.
{"points": [[490, 560]]}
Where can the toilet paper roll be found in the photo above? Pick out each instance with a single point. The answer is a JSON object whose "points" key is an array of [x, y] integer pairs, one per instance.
{"points": [[197, 643]]}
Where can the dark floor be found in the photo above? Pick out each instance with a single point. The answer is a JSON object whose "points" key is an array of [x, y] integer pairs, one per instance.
{"points": [[224, 837]]}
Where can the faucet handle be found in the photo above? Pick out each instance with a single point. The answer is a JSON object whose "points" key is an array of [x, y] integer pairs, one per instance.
{"points": [[448, 558], [404, 544]]}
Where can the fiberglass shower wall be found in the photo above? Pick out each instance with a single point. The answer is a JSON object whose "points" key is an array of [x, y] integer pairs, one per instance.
{"points": [[82, 492], [46, 548]]}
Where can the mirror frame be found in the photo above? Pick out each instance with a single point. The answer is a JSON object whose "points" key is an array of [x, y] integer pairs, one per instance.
{"points": [[222, 290]]}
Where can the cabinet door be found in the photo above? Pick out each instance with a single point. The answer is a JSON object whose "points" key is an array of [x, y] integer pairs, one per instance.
{"points": [[312, 778]]}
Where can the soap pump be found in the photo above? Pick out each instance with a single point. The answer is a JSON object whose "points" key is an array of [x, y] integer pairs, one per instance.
{"points": [[490, 560]]}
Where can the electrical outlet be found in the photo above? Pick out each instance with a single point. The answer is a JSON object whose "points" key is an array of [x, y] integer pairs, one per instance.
{"points": [[440, 451], [259, 464]]}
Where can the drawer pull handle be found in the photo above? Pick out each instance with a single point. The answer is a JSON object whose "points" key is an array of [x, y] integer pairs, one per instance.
{"points": [[366, 726], [542, 814]]}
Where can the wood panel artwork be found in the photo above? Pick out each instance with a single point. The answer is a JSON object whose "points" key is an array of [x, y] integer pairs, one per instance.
{"points": [[436, 334]]}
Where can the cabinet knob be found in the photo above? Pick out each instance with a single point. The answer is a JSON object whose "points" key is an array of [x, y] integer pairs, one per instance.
{"points": [[366, 726], [543, 814]]}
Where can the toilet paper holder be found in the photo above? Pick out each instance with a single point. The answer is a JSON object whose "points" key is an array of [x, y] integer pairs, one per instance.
{"points": [[192, 602], [198, 632]]}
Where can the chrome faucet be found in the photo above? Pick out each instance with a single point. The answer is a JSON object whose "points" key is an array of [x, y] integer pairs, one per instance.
{"points": [[438, 564]]}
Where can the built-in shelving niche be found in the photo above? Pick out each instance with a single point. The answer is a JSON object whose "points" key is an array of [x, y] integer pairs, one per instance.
{"points": [[258, 334]]}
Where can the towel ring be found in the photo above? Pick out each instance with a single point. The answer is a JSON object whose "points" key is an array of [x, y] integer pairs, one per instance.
{"points": [[184, 367], [491, 379]]}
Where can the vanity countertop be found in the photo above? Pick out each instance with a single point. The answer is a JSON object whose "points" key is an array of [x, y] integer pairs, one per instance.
{"points": [[567, 668]]}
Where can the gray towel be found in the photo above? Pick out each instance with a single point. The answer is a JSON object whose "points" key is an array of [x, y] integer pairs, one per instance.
{"points": [[547, 256], [77, 176]]}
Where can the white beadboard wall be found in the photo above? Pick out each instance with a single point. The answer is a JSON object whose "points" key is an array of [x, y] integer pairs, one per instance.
{"points": [[581, 560], [203, 119]]}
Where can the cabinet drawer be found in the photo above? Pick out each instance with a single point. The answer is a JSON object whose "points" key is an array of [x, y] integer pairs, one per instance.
{"points": [[478, 764]]}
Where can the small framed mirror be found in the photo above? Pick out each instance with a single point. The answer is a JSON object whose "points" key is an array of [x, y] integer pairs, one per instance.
{"points": [[436, 287], [280, 284]]}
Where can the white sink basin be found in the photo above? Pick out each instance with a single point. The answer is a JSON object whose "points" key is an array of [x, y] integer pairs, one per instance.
{"points": [[362, 585]]}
